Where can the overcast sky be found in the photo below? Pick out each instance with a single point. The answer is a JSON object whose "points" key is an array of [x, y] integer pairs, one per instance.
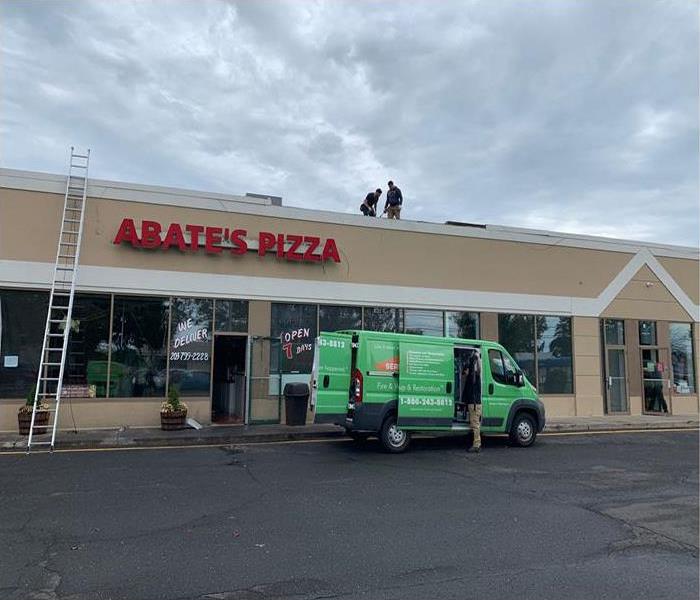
{"points": [[577, 116]]}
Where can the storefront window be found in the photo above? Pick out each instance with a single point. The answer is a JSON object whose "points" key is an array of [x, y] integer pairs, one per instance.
{"points": [[384, 319], [463, 325], [337, 318], [424, 322], [139, 338], [190, 352], [231, 315], [517, 334], [22, 323], [295, 326], [88, 348], [682, 358], [554, 362], [647, 333]]}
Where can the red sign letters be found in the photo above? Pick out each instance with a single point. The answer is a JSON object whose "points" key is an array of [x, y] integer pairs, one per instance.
{"points": [[215, 240]]}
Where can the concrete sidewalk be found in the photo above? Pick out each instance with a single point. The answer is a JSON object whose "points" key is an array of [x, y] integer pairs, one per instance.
{"points": [[126, 437]]}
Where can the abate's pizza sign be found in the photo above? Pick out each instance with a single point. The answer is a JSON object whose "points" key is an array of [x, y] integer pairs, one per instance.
{"points": [[215, 240]]}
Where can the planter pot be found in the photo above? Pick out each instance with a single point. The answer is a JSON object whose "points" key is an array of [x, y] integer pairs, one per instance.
{"points": [[41, 421], [171, 421]]}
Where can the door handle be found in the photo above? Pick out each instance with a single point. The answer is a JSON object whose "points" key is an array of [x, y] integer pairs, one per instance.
{"points": [[490, 389], [609, 382], [448, 387]]}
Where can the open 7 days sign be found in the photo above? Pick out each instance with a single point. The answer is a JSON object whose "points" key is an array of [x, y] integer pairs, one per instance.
{"points": [[215, 240]]}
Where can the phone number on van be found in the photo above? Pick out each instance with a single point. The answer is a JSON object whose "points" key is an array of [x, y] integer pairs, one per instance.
{"points": [[408, 401]]}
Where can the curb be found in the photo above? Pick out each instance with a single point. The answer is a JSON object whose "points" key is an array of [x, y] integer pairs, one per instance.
{"points": [[621, 427], [150, 442], [120, 440]]}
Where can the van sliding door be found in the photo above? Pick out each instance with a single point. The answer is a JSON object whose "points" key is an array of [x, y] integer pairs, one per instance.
{"points": [[426, 380], [331, 377]]}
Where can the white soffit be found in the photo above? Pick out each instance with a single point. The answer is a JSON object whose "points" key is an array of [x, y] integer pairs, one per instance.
{"points": [[156, 282]]}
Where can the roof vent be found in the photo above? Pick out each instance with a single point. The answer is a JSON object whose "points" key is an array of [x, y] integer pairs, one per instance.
{"points": [[274, 200]]}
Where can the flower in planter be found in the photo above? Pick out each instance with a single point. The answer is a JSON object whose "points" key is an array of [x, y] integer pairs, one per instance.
{"points": [[29, 403], [173, 403]]}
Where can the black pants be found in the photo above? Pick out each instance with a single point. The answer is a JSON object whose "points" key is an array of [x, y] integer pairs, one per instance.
{"points": [[368, 212]]}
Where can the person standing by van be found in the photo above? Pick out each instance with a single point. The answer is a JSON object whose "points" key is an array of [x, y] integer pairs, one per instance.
{"points": [[471, 396], [369, 206], [394, 201]]}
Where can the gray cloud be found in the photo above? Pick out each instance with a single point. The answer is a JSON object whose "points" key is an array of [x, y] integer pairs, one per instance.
{"points": [[567, 115]]}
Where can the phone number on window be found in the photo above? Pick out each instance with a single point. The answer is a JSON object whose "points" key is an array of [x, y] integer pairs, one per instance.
{"points": [[189, 356]]}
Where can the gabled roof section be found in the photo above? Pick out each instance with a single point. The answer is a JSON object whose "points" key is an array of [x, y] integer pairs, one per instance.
{"points": [[596, 306]]}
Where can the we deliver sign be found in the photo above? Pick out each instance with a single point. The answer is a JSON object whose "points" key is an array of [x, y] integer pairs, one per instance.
{"points": [[152, 235]]}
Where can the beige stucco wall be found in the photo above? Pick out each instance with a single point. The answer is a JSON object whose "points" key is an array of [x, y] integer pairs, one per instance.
{"points": [[587, 367], [646, 297], [429, 260], [92, 413]]}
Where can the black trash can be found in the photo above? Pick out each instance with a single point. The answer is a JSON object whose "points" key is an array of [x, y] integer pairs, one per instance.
{"points": [[296, 402]]}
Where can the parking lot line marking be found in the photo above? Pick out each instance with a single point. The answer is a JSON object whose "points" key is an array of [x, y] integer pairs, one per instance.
{"points": [[318, 441]]}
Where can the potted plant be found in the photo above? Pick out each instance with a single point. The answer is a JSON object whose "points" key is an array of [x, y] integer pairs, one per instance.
{"points": [[24, 415], [173, 412]]}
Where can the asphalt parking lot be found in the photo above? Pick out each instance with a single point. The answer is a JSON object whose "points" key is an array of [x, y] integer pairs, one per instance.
{"points": [[575, 516]]}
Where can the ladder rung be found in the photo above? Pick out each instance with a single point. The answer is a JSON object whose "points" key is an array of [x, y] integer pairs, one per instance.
{"points": [[57, 320], [55, 335], [50, 364], [79, 155], [40, 443], [48, 378], [67, 256], [57, 307], [67, 244], [65, 268], [71, 221]]}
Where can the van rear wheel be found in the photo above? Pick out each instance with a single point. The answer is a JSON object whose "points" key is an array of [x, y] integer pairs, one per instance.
{"points": [[523, 430], [393, 438]]}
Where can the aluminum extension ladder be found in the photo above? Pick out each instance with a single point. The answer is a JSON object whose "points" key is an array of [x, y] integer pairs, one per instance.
{"points": [[47, 396]]}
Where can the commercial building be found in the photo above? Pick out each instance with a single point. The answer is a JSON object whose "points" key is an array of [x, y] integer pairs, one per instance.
{"points": [[223, 296]]}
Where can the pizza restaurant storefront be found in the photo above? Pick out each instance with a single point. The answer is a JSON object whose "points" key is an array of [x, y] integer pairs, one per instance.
{"points": [[222, 297]]}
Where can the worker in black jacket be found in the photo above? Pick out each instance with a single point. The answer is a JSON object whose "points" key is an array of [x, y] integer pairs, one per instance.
{"points": [[394, 201]]}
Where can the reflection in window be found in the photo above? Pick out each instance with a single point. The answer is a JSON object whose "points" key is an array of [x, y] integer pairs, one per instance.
{"points": [[88, 347], [231, 315], [295, 326], [22, 322], [542, 348], [614, 332], [682, 359], [139, 336], [337, 318], [190, 346], [463, 325], [383, 319], [424, 322], [517, 334], [554, 362], [647, 333]]}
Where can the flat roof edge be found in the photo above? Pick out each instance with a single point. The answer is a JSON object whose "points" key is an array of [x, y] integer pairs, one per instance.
{"points": [[153, 194]]}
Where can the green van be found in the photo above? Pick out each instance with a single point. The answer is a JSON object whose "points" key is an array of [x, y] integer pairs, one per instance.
{"points": [[390, 384]]}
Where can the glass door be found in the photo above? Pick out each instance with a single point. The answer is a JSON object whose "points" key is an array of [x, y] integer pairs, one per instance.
{"points": [[616, 381], [655, 380]]}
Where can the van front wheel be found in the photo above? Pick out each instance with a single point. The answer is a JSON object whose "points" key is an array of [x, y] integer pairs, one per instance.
{"points": [[523, 430], [393, 438]]}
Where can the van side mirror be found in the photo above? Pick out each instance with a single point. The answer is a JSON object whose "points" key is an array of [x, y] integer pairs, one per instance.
{"points": [[519, 379]]}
